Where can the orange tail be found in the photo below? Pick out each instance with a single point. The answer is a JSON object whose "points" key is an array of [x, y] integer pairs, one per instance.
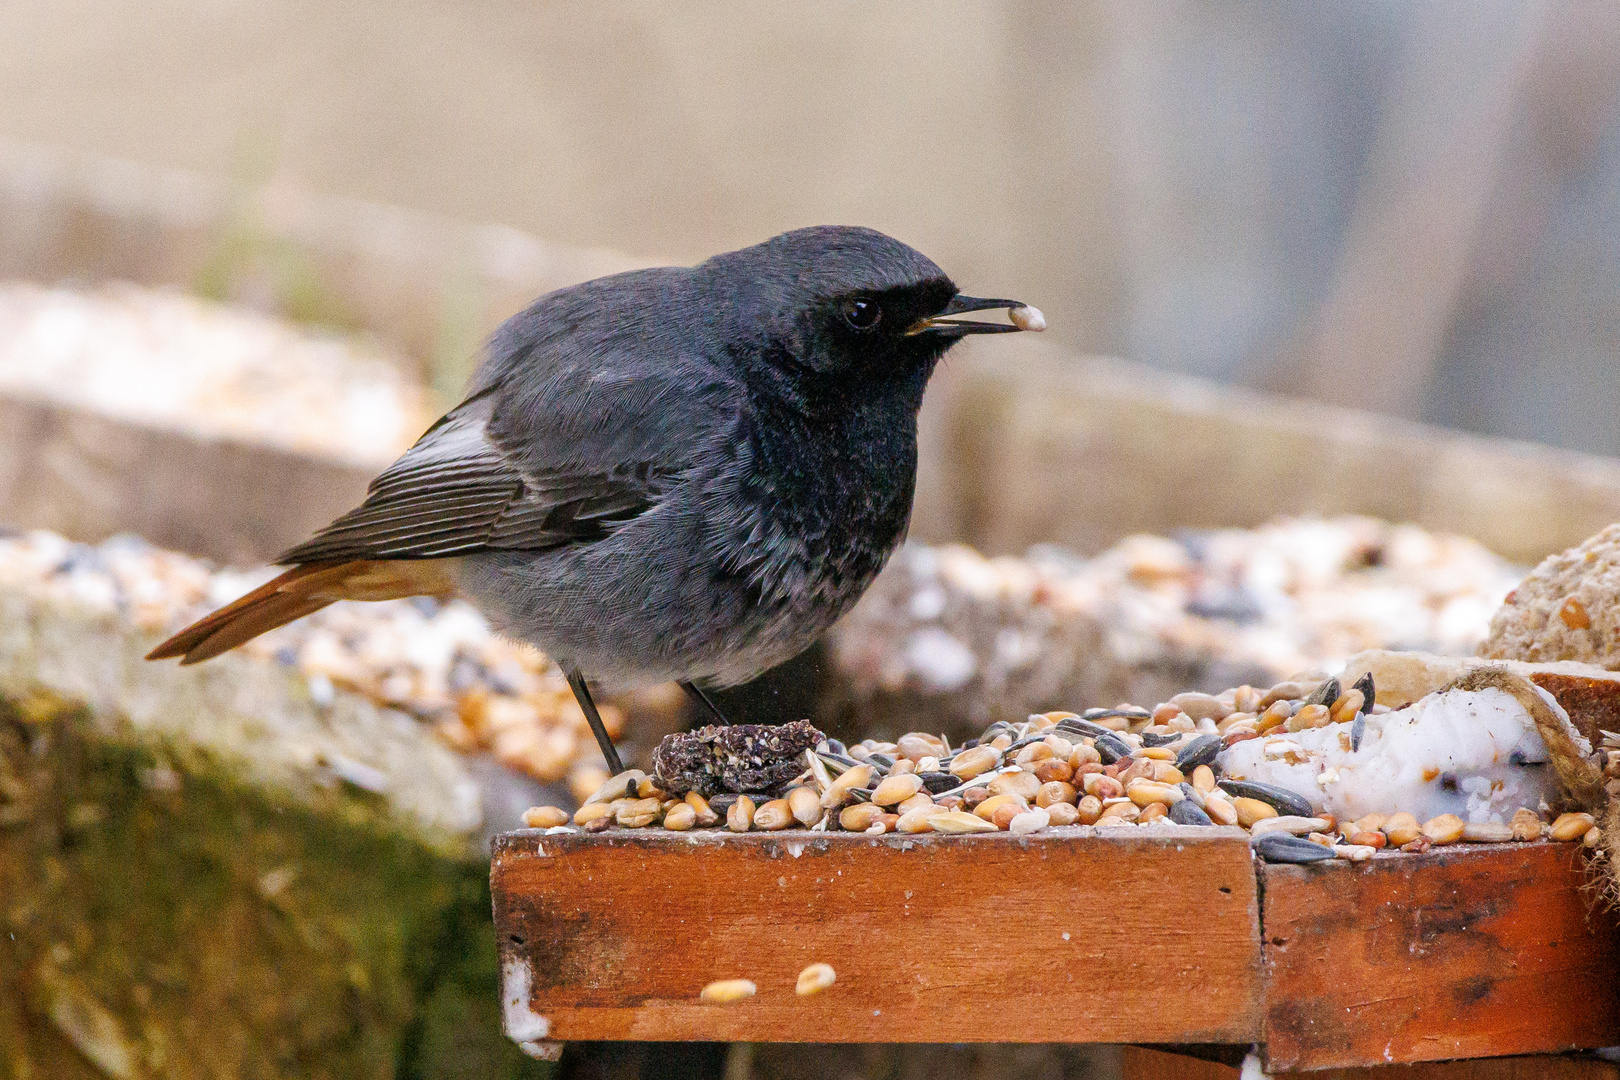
{"points": [[299, 592]]}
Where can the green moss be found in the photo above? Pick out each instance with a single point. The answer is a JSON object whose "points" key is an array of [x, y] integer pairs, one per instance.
{"points": [[155, 922]]}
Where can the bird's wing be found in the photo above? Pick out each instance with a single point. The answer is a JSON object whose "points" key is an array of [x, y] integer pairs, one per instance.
{"points": [[481, 478]]}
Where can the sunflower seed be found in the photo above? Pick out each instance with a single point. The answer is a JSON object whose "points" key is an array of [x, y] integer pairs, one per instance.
{"points": [[1279, 799], [1369, 691], [1186, 812], [1326, 694], [1111, 747], [1127, 713], [1201, 751], [1280, 847], [1082, 727]]}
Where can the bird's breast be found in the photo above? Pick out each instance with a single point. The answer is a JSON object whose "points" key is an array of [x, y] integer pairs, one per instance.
{"points": [[818, 513]]}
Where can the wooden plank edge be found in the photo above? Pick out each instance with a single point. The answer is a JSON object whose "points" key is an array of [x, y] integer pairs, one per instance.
{"points": [[1462, 952], [578, 967]]}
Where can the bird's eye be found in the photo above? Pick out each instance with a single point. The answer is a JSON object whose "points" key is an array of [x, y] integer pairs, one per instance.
{"points": [[861, 314]]}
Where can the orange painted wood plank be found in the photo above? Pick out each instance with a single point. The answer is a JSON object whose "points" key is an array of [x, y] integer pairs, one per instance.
{"points": [[1059, 937], [1459, 953]]}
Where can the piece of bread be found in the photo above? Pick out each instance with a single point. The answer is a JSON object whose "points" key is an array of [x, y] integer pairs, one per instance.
{"points": [[1568, 608]]}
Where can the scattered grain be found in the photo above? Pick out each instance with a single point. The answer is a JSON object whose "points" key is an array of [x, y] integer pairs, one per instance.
{"points": [[591, 811], [1061, 814], [814, 979], [958, 821], [974, 762], [1571, 826], [1249, 811], [544, 817], [1445, 829], [1401, 829], [842, 789], [740, 817], [1527, 824], [680, 817], [776, 814], [728, 990], [1029, 821], [805, 805]]}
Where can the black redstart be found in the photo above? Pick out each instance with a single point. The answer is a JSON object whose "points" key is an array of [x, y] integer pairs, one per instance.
{"points": [[685, 473]]}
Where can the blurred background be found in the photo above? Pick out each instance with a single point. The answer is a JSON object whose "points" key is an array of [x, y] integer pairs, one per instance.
{"points": [[1298, 258], [1409, 207]]}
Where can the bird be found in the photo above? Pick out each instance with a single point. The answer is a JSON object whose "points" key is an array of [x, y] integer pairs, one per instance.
{"points": [[674, 474]]}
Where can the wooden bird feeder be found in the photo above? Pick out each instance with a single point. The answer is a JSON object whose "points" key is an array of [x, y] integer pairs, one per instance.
{"points": [[1170, 936]]}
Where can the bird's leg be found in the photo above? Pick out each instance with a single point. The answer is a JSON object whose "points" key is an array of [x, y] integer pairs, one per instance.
{"points": [[582, 693], [705, 702]]}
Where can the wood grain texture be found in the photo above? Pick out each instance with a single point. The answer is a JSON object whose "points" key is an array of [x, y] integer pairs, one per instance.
{"points": [[1592, 704], [935, 939], [1459, 953]]}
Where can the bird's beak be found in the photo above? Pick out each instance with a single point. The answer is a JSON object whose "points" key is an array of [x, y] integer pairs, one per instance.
{"points": [[1021, 317]]}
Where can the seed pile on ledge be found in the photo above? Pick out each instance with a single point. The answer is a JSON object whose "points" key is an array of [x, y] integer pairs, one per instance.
{"points": [[439, 662], [1121, 768]]}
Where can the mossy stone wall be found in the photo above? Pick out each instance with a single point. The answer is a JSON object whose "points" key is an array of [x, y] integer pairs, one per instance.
{"points": [[158, 920]]}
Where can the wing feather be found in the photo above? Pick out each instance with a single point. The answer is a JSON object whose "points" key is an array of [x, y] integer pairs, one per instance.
{"points": [[456, 492], [581, 420]]}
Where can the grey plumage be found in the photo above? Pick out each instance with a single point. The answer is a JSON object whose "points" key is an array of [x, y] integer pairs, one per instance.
{"points": [[680, 473]]}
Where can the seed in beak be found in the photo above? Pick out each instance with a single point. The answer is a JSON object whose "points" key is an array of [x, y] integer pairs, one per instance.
{"points": [[1027, 318]]}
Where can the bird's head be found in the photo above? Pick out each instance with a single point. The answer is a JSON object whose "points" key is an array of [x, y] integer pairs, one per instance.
{"points": [[841, 303]]}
